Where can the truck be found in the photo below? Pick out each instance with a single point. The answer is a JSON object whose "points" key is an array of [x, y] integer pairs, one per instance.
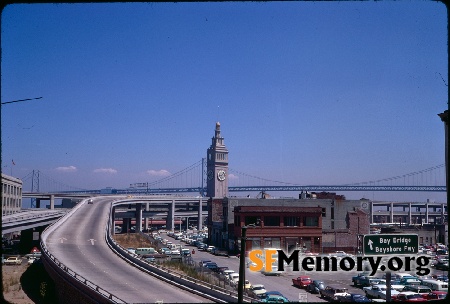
{"points": [[378, 292], [333, 292], [302, 281]]}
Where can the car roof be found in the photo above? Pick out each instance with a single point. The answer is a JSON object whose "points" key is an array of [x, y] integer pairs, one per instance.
{"points": [[337, 286], [439, 292]]}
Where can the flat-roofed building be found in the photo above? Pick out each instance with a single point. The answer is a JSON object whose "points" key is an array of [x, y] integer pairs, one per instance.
{"points": [[11, 194], [340, 223]]}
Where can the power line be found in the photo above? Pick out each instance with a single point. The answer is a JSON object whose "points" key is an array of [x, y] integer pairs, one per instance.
{"points": [[6, 102]]}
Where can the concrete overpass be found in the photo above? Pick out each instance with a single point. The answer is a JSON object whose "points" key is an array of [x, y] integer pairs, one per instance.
{"points": [[30, 218]]}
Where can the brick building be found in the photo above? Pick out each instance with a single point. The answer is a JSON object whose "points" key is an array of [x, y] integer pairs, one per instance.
{"points": [[340, 223], [286, 228]]}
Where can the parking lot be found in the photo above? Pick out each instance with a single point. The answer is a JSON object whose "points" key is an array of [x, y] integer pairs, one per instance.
{"points": [[282, 283]]}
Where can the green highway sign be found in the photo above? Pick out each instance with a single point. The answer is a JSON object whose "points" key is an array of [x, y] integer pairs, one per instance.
{"points": [[386, 244]]}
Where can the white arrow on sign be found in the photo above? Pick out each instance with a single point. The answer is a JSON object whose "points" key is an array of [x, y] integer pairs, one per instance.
{"points": [[92, 241], [63, 239], [370, 244]]}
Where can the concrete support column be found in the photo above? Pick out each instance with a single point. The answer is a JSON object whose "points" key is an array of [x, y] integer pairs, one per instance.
{"points": [[443, 213], [113, 219], [391, 213], [52, 202], [371, 212], [138, 217], [426, 213], [409, 213], [200, 219], [126, 225], [38, 203], [170, 216], [147, 208]]}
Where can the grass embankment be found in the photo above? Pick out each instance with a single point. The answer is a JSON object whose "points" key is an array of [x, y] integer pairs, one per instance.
{"points": [[134, 240]]}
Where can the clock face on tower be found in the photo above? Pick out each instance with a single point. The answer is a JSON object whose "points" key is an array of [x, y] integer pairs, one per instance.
{"points": [[221, 175], [210, 175]]}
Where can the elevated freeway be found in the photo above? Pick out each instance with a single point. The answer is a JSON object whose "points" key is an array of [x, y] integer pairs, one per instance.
{"points": [[78, 241], [30, 218]]}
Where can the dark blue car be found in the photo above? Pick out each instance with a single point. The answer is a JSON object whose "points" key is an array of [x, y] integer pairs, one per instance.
{"points": [[353, 297]]}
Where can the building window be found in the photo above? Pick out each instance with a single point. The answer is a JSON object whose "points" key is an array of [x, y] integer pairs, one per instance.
{"points": [[324, 212], [311, 221], [272, 221], [291, 221], [251, 220]]}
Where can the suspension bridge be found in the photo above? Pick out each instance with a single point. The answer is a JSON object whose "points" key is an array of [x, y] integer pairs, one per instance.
{"points": [[192, 179]]}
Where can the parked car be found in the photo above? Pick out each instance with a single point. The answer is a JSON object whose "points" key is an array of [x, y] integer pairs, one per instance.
{"points": [[441, 265], [332, 292], [209, 248], [409, 296], [353, 297], [226, 273], [423, 290], [274, 271], [13, 261], [219, 252], [302, 281], [202, 263], [436, 295], [175, 252], [90, 201], [211, 265], [316, 286], [379, 291], [233, 279], [258, 290], [221, 269], [275, 299], [273, 292], [32, 260]]}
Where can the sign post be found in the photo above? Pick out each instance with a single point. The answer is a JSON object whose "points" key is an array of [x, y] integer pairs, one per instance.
{"points": [[387, 244]]}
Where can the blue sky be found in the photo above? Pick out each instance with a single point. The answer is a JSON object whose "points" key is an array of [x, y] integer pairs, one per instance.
{"points": [[306, 92]]}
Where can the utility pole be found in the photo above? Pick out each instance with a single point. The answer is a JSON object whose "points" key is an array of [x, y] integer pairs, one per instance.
{"points": [[242, 265]]}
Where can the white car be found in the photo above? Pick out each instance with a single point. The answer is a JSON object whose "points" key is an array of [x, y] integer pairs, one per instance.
{"points": [[232, 277], [13, 261], [209, 248], [258, 290], [175, 252], [274, 271]]}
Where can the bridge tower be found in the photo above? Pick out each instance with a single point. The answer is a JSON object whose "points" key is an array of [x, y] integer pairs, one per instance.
{"points": [[217, 166], [34, 187]]}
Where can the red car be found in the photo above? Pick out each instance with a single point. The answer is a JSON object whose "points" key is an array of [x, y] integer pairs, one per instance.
{"points": [[302, 281], [436, 295], [409, 296]]}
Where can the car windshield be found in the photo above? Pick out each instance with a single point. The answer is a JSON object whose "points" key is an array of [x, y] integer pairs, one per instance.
{"points": [[258, 287], [414, 296]]}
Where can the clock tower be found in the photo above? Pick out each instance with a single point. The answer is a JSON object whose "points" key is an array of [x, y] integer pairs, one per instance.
{"points": [[217, 166]]}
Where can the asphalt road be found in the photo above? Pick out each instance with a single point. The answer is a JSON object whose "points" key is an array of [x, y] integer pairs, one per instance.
{"points": [[80, 245]]}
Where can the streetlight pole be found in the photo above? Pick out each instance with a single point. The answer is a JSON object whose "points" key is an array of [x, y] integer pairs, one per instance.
{"points": [[242, 266]]}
